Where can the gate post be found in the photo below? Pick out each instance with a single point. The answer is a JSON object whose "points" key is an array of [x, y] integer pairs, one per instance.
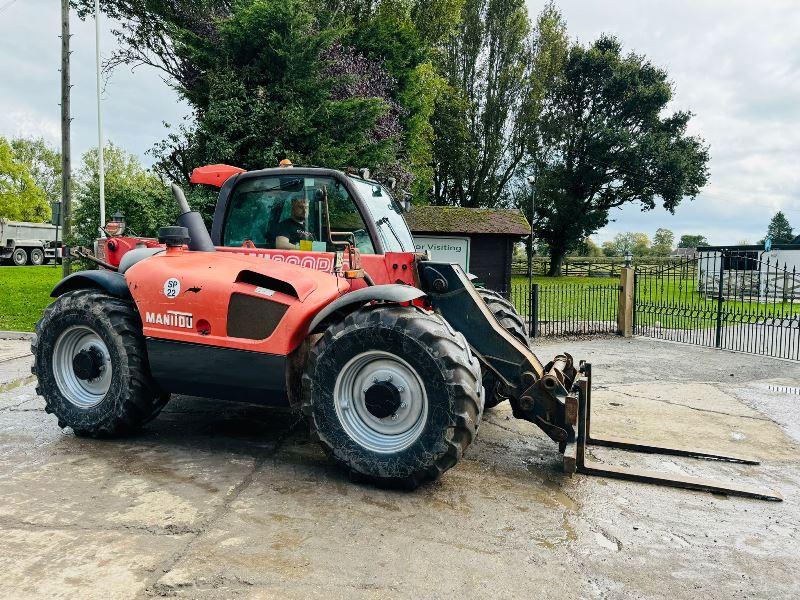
{"points": [[718, 338], [625, 306]]}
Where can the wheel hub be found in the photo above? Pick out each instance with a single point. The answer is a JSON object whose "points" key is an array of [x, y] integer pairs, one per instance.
{"points": [[88, 364], [82, 366], [382, 399]]}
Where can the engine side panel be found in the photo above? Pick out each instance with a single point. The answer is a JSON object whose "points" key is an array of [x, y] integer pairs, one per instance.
{"points": [[186, 297]]}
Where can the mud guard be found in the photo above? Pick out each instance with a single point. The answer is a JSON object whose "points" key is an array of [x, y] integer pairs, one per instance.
{"points": [[108, 281], [393, 292]]}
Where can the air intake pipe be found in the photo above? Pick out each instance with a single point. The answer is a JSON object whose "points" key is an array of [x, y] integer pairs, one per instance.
{"points": [[199, 239]]}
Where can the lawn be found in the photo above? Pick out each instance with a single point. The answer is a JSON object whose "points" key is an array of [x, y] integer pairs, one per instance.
{"points": [[24, 294], [669, 302]]}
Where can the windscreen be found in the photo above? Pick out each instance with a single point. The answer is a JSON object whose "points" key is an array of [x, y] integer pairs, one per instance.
{"points": [[387, 216]]}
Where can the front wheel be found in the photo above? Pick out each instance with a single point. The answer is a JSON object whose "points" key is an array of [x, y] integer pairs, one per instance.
{"points": [[393, 394], [91, 363]]}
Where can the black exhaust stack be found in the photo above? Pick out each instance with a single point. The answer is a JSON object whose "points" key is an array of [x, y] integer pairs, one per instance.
{"points": [[199, 240]]}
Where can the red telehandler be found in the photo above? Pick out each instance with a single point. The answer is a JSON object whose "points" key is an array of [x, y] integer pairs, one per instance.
{"points": [[308, 291]]}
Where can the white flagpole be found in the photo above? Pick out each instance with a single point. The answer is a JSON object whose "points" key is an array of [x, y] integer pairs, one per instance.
{"points": [[100, 164]]}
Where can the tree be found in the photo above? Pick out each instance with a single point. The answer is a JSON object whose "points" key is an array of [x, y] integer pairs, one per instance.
{"points": [[692, 241], [605, 140], [140, 195], [662, 242], [481, 120], [330, 82], [43, 162], [587, 247], [779, 230], [20, 198], [637, 244]]}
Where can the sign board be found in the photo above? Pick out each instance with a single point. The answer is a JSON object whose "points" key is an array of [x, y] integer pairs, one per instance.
{"points": [[445, 249], [55, 209]]}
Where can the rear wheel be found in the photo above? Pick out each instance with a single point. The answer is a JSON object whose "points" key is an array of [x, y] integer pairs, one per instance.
{"points": [[393, 394], [37, 256], [19, 257], [511, 321], [91, 363]]}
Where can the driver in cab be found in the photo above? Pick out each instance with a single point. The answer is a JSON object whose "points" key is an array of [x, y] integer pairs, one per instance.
{"points": [[293, 228]]}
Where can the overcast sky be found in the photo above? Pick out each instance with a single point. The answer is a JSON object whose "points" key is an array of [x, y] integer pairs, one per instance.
{"points": [[734, 63]]}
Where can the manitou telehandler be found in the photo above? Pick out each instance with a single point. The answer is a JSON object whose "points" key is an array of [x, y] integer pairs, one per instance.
{"points": [[308, 291]]}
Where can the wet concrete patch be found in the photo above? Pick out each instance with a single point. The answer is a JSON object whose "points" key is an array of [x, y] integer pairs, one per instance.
{"points": [[221, 500]]}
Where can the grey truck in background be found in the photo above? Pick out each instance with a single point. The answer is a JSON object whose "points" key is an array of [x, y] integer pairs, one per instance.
{"points": [[28, 243]]}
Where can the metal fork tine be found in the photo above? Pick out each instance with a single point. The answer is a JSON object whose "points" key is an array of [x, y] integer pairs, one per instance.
{"points": [[575, 456]]}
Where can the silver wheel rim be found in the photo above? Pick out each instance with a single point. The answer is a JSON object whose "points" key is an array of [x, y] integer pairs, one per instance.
{"points": [[37, 257], [391, 433], [83, 393], [19, 257]]}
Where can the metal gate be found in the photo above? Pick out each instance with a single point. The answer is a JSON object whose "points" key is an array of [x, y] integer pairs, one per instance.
{"points": [[563, 309], [733, 299]]}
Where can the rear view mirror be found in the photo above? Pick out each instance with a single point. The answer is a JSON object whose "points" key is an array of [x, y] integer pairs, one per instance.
{"points": [[405, 203]]}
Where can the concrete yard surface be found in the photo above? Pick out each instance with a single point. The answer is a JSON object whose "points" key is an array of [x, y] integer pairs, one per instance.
{"points": [[225, 500]]}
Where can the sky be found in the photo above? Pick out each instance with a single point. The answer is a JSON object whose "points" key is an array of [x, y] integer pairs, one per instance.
{"points": [[734, 63]]}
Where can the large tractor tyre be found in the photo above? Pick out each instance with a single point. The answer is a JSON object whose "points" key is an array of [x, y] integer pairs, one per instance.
{"points": [[511, 321], [19, 257], [37, 256], [393, 394], [91, 362]]}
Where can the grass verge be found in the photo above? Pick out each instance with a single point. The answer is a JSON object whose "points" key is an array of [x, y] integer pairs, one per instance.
{"points": [[24, 294]]}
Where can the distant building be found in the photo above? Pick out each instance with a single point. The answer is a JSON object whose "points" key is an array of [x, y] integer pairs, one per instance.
{"points": [[683, 252], [481, 240], [750, 271]]}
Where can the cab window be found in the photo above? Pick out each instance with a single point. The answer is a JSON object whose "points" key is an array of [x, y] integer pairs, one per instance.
{"points": [[287, 212]]}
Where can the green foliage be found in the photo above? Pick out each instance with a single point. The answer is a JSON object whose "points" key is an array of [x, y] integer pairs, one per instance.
{"points": [[779, 230], [44, 163], [140, 195], [663, 241], [20, 198], [692, 241], [262, 94], [318, 81], [587, 248], [605, 140], [419, 99], [637, 244], [481, 122]]}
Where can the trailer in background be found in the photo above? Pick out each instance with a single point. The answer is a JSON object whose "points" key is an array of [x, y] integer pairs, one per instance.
{"points": [[29, 243]]}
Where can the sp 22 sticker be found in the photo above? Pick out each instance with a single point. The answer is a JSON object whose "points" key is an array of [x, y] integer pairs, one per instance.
{"points": [[172, 287]]}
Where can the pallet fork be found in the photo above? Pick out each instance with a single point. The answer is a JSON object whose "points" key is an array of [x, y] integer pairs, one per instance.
{"points": [[575, 460], [556, 397]]}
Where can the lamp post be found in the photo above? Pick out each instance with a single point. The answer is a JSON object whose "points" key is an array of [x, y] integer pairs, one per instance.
{"points": [[100, 165], [116, 226], [628, 259], [531, 182]]}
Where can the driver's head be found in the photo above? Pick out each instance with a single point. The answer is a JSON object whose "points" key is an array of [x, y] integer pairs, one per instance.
{"points": [[299, 207]]}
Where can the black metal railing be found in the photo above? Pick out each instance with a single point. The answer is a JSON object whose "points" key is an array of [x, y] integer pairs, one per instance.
{"points": [[558, 309], [748, 301]]}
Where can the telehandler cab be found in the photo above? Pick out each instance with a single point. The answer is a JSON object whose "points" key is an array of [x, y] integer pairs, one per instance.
{"points": [[308, 291]]}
